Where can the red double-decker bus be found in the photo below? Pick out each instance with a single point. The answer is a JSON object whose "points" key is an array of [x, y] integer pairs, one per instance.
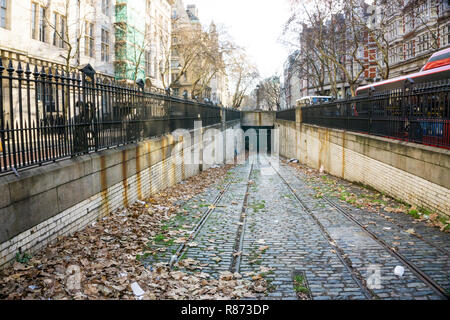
{"points": [[434, 125], [437, 68]]}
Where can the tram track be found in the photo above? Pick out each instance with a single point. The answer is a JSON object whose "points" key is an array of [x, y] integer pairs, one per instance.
{"points": [[239, 240], [438, 289], [239, 235], [182, 247], [415, 234], [356, 276], [414, 269]]}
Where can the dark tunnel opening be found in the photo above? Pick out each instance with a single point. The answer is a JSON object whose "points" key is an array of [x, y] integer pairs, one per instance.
{"points": [[264, 139]]}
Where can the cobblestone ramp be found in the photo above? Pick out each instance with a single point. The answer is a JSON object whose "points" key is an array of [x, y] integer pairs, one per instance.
{"points": [[364, 252], [295, 242], [216, 239], [187, 218], [429, 249], [281, 228]]}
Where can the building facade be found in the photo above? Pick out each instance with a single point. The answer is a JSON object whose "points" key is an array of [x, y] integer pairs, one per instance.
{"points": [[295, 86], [185, 24], [420, 28], [187, 32], [414, 31], [59, 33], [143, 41]]}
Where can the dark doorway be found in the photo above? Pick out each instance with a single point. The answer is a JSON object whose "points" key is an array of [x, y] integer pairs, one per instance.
{"points": [[263, 138]]}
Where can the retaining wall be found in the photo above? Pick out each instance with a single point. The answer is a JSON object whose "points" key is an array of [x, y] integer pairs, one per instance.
{"points": [[414, 173], [46, 202]]}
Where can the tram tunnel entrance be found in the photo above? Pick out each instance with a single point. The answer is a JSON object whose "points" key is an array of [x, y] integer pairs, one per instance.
{"points": [[259, 139]]}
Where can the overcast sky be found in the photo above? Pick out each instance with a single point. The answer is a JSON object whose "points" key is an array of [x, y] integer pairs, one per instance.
{"points": [[254, 24]]}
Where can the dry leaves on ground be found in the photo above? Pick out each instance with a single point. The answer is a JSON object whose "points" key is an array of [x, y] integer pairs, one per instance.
{"points": [[100, 261], [369, 199]]}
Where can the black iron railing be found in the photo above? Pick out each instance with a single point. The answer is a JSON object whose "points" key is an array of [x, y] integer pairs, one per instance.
{"points": [[232, 114], [419, 113], [49, 114], [287, 114]]}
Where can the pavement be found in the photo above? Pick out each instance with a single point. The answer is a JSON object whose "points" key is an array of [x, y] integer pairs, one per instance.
{"points": [[266, 220]]}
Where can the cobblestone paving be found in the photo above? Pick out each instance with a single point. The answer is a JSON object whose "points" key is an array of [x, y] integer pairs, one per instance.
{"points": [[364, 252], [401, 220], [216, 239], [431, 255], [185, 221], [280, 237], [294, 243]]}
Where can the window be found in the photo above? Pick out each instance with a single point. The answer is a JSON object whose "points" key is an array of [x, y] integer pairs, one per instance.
{"points": [[174, 77], [105, 7], [148, 63], [62, 28], [423, 12], [3, 13], [445, 36], [55, 33], [89, 40], [423, 43], [409, 23], [443, 7], [59, 31], [161, 70], [105, 45], [38, 24], [396, 54], [46, 93], [33, 20], [42, 24], [400, 53], [410, 49], [394, 29]]}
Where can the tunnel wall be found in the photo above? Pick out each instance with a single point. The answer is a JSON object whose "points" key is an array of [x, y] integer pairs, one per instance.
{"points": [[414, 173], [257, 118], [54, 200]]}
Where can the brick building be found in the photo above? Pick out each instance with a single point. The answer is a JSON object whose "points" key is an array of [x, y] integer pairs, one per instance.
{"points": [[414, 31]]}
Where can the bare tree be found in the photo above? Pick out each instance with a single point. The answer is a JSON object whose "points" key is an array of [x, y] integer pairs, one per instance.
{"points": [[200, 55], [333, 41], [68, 30], [186, 47], [420, 14], [243, 75], [270, 93], [300, 33], [379, 21]]}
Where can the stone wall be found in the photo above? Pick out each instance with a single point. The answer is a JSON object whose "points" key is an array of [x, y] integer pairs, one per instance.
{"points": [[46, 202], [414, 173], [257, 118]]}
